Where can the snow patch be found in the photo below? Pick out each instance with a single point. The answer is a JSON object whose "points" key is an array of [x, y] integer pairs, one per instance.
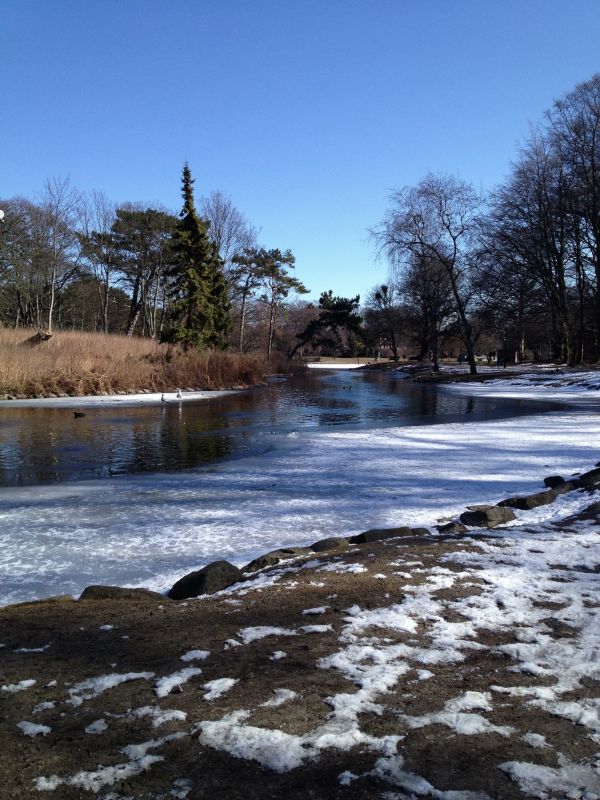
{"points": [[95, 780], [252, 634], [570, 779], [195, 655], [164, 686], [45, 706], [218, 687], [13, 688], [86, 690], [535, 740], [158, 715], [31, 729], [280, 696], [98, 726], [316, 628]]}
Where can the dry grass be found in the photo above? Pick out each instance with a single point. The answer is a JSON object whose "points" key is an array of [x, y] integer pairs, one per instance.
{"points": [[78, 364]]}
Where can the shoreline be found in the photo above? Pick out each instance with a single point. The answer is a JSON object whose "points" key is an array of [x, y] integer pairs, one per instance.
{"points": [[122, 398], [155, 528], [455, 527]]}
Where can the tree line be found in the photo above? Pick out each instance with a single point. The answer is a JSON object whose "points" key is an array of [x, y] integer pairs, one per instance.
{"points": [[511, 276], [516, 272], [73, 260]]}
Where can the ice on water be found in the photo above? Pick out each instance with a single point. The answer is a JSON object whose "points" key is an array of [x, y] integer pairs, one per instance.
{"points": [[152, 529]]}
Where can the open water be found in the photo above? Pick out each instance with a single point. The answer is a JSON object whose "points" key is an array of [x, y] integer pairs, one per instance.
{"points": [[49, 445]]}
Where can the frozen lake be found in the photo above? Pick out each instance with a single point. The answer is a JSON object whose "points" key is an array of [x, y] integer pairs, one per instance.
{"points": [[47, 445], [293, 472]]}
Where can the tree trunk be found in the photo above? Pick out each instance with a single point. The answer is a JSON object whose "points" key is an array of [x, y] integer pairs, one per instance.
{"points": [[103, 297], [134, 308], [434, 352], [521, 327], [243, 311], [271, 328], [132, 322], [392, 334], [466, 330], [52, 296]]}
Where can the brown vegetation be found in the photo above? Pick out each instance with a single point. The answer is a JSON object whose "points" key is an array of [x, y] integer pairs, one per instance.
{"points": [[78, 363]]}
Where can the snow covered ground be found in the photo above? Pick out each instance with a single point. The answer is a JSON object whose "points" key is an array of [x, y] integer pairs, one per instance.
{"points": [[485, 653], [151, 529], [333, 365], [152, 398], [549, 384]]}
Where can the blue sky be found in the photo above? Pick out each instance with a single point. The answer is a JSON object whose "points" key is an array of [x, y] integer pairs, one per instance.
{"points": [[306, 112]]}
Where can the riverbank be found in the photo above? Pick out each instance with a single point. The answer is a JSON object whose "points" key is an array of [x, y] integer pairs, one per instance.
{"points": [[77, 364], [302, 485], [120, 399], [440, 667], [465, 667]]}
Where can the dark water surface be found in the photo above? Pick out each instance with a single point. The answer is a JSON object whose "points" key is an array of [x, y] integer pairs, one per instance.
{"points": [[45, 445]]}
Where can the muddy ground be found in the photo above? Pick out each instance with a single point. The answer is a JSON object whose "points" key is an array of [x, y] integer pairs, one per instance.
{"points": [[152, 635]]}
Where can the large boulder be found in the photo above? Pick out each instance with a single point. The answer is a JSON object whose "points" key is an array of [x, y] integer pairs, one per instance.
{"points": [[529, 501], [567, 486], [211, 578], [379, 534], [552, 481], [589, 479], [119, 593], [452, 527], [332, 543], [486, 517], [274, 557]]}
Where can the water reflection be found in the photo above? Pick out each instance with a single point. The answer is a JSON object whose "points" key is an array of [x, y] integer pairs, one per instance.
{"points": [[41, 445]]}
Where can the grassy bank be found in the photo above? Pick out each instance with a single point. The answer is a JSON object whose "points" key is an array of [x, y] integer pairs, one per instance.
{"points": [[77, 363]]}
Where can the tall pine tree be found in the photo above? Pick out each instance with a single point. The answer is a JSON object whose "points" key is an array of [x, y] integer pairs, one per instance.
{"points": [[200, 306]]}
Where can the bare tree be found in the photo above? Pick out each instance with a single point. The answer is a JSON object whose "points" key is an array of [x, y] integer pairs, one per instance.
{"points": [[530, 235], [437, 219], [426, 289], [59, 206], [97, 216], [574, 135], [382, 304], [229, 230]]}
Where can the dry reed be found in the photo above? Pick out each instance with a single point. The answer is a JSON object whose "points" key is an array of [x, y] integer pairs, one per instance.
{"points": [[78, 363]]}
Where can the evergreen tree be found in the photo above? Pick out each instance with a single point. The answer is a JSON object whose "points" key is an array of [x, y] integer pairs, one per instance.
{"points": [[273, 269], [200, 307], [337, 329], [219, 298]]}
